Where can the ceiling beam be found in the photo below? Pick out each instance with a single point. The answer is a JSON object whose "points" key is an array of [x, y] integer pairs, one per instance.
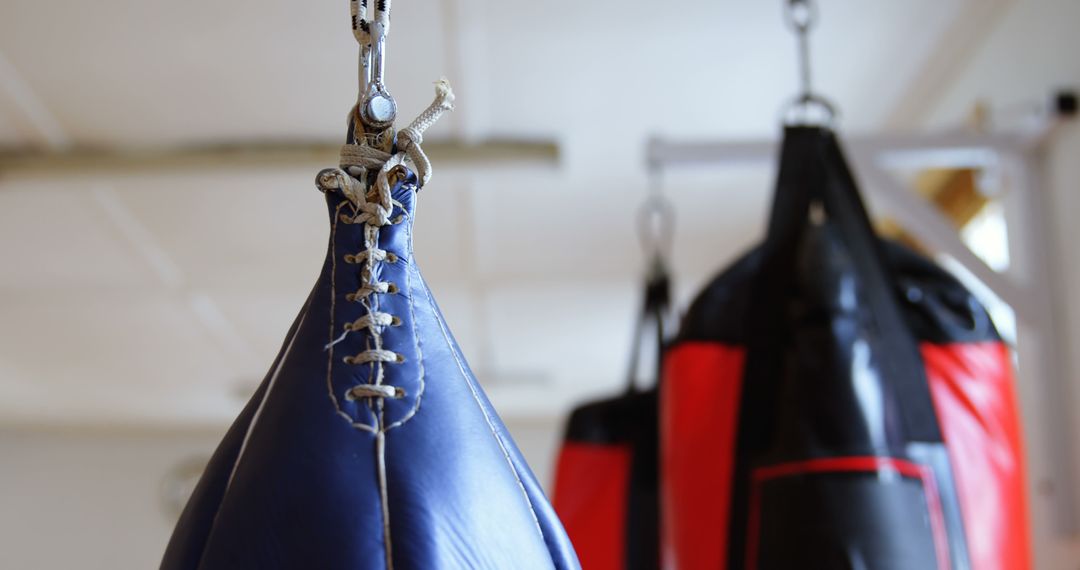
{"points": [[486, 154]]}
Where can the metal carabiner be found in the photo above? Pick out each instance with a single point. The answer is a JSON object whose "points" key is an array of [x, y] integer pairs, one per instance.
{"points": [[377, 108]]}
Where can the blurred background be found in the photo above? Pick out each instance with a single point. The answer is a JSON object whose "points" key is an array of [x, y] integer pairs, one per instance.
{"points": [[159, 225]]}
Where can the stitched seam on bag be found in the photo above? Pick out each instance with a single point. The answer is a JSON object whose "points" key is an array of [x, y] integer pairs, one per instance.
{"points": [[262, 403], [409, 268], [330, 347], [487, 418]]}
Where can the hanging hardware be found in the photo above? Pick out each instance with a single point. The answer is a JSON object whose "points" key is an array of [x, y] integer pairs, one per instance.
{"points": [[801, 16], [376, 108], [656, 224]]}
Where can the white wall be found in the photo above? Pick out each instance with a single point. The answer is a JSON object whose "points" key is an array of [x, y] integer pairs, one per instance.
{"points": [[90, 501], [1054, 549], [1030, 52]]}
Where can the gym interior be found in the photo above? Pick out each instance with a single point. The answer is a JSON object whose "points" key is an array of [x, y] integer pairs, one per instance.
{"points": [[583, 210]]}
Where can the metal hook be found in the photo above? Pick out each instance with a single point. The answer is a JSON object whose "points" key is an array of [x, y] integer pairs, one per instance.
{"points": [[656, 223], [364, 69], [802, 16], [377, 107]]}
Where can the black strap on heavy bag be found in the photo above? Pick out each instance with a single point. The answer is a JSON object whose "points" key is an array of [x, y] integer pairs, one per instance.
{"points": [[799, 426], [606, 482], [814, 174]]}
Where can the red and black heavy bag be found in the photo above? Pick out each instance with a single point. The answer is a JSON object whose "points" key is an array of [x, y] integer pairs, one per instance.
{"points": [[606, 481], [836, 401]]}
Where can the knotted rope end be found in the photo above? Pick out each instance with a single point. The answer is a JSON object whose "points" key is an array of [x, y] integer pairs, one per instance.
{"points": [[444, 94]]}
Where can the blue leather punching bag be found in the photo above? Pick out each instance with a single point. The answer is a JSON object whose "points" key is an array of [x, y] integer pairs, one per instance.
{"points": [[369, 445]]}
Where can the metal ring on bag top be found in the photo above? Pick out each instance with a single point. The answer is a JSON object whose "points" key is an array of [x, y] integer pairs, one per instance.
{"points": [[801, 15], [809, 109]]}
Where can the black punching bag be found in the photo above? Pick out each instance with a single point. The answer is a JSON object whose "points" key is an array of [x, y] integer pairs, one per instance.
{"points": [[836, 401], [606, 481]]}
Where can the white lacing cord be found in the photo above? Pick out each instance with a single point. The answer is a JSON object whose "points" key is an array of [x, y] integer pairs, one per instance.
{"points": [[409, 139], [373, 207], [373, 215]]}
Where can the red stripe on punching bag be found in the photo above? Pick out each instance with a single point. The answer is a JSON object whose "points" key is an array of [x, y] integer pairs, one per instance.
{"points": [[591, 486], [871, 464], [974, 396], [699, 413]]}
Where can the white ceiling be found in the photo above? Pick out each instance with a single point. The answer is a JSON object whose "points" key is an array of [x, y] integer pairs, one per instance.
{"points": [[160, 296], [137, 72]]}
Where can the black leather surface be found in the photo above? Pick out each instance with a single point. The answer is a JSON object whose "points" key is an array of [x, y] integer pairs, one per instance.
{"points": [[831, 316], [937, 307]]}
